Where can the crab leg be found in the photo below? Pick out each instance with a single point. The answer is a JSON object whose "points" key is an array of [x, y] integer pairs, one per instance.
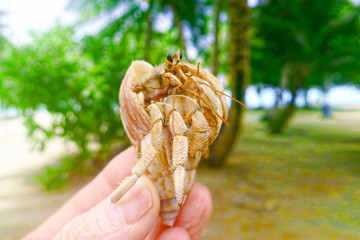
{"points": [[179, 155], [199, 135], [155, 143]]}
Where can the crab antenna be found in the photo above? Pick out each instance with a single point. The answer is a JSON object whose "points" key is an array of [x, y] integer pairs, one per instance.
{"points": [[221, 93]]}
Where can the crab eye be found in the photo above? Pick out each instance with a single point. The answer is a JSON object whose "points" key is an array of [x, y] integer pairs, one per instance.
{"points": [[169, 57], [180, 54]]}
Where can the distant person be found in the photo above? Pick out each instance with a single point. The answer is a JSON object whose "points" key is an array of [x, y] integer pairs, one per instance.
{"points": [[326, 111], [91, 215]]}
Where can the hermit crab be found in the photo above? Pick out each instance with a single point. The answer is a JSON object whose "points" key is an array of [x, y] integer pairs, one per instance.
{"points": [[172, 113]]}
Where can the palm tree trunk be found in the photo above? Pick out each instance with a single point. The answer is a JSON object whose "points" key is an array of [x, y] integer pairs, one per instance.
{"points": [[306, 102], [149, 21], [239, 63], [325, 106], [283, 83], [281, 117], [215, 60], [178, 24]]}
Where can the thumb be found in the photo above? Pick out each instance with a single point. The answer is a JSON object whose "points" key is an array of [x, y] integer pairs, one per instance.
{"points": [[133, 217]]}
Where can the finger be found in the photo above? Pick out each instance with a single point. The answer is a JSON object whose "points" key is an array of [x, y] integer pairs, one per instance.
{"points": [[132, 217], [158, 228], [93, 193], [193, 215], [196, 212], [175, 233]]}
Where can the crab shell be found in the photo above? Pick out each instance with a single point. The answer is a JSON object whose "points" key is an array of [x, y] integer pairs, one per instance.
{"points": [[137, 122]]}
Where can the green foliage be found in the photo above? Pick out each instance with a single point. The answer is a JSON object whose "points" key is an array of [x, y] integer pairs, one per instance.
{"points": [[59, 175], [5, 45], [55, 75], [265, 66], [91, 8], [323, 35], [55, 177]]}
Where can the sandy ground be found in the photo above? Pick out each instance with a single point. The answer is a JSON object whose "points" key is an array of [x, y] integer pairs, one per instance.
{"points": [[23, 204]]}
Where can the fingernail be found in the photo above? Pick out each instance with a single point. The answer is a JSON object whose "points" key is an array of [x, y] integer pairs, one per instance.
{"points": [[135, 203]]}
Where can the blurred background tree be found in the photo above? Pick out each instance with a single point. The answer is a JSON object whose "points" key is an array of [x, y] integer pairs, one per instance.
{"points": [[307, 39], [285, 45]]}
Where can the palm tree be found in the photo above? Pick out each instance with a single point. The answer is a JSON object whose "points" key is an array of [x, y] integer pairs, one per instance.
{"points": [[183, 11], [239, 63]]}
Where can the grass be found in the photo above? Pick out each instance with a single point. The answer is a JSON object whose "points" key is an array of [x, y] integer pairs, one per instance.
{"points": [[304, 184]]}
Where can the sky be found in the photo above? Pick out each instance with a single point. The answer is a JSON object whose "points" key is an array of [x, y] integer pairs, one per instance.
{"points": [[22, 16]]}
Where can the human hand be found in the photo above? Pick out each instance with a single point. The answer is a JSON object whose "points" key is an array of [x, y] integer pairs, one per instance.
{"points": [[91, 215]]}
